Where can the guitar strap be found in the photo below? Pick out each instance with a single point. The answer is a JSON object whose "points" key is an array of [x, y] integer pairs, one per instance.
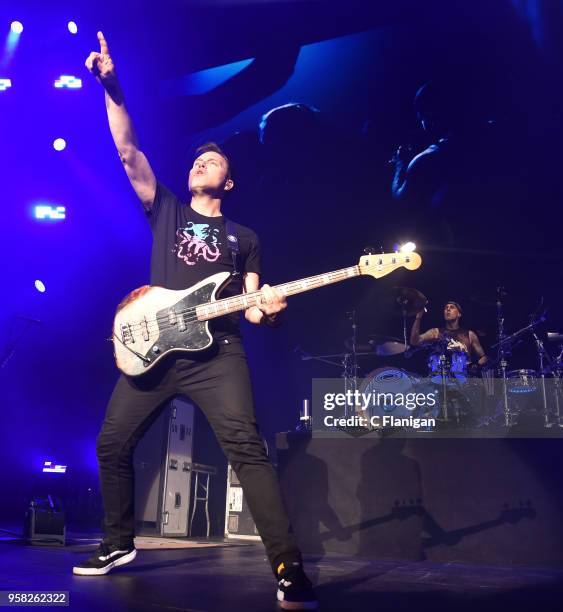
{"points": [[233, 244]]}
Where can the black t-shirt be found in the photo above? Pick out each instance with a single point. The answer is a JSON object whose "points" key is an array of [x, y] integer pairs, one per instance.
{"points": [[188, 247]]}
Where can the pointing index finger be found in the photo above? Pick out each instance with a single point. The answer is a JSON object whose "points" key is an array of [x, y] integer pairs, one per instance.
{"points": [[103, 44]]}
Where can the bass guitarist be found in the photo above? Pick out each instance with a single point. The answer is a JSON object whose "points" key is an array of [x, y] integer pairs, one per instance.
{"points": [[191, 242]]}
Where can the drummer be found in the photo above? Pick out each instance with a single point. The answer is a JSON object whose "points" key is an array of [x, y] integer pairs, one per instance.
{"points": [[457, 338]]}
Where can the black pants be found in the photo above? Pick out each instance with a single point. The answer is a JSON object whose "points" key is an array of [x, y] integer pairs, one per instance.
{"points": [[218, 382]]}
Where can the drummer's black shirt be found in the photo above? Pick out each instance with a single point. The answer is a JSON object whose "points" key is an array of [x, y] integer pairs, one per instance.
{"points": [[458, 335], [188, 247]]}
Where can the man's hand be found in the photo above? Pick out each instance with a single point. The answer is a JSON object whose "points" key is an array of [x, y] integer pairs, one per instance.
{"points": [[101, 65], [272, 301], [420, 314]]}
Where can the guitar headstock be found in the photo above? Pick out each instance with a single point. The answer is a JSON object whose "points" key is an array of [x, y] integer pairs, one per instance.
{"points": [[381, 264]]}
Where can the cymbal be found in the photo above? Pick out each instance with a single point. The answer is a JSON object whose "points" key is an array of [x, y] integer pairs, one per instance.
{"points": [[381, 339], [386, 346], [387, 349], [361, 346], [407, 300], [382, 346]]}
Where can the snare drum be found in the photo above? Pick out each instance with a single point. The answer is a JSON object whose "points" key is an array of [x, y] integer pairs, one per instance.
{"points": [[455, 364]]}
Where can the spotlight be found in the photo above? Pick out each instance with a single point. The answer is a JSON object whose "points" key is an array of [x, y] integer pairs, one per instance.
{"points": [[53, 468], [72, 27], [59, 144], [46, 212], [40, 286], [4, 84], [67, 81], [407, 247], [16, 27]]}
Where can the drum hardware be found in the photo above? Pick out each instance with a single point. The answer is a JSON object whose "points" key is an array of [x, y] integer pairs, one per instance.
{"points": [[557, 373], [407, 302], [542, 353]]}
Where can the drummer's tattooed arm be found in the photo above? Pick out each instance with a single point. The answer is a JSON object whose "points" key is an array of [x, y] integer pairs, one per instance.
{"points": [[477, 348], [418, 338]]}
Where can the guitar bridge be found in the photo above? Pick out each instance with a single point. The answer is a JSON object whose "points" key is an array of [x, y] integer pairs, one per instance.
{"points": [[127, 334]]}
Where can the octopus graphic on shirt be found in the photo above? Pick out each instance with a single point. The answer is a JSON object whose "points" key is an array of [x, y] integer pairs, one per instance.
{"points": [[197, 241]]}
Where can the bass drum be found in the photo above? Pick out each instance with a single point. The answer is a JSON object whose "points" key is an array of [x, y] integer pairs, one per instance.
{"points": [[389, 380]]}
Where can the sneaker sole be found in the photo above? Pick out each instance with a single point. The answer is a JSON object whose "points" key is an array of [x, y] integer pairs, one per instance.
{"points": [[94, 571], [296, 605]]}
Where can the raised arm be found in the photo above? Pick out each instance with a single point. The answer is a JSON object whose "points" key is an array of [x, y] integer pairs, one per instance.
{"points": [[416, 337], [133, 159]]}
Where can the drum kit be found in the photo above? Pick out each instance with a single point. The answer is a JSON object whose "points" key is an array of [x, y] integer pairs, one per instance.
{"points": [[470, 397]]}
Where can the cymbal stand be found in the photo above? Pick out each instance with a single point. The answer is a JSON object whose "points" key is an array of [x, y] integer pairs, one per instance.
{"points": [[350, 365], [502, 352], [541, 358], [444, 373], [557, 378]]}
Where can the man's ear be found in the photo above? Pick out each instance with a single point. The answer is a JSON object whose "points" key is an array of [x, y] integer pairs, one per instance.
{"points": [[229, 185]]}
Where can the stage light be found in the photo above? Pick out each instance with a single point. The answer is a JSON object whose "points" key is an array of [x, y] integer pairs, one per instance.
{"points": [[46, 212], [59, 144], [16, 27], [54, 468], [203, 81], [67, 81], [407, 247], [4, 84], [72, 27], [40, 286]]}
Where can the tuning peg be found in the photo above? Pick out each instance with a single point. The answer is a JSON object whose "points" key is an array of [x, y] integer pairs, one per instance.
{"points": [[369, 250]]}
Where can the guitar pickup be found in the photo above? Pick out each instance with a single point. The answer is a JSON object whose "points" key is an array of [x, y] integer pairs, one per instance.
{"points": [[145, 329], [172, 317], [126, 334], [181, 323]]}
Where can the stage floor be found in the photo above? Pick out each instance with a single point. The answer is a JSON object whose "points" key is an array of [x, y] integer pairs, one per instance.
{"points": [[238, 578]]}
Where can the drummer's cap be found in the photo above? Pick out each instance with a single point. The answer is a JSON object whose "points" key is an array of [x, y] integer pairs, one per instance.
{"points": [[456, 304]]}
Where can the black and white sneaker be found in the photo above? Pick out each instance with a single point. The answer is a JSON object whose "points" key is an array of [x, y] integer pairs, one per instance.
{"points": [[295, 591], [104, 560]]}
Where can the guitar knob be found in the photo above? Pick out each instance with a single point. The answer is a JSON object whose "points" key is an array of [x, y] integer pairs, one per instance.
{"points": [[156, 349]]}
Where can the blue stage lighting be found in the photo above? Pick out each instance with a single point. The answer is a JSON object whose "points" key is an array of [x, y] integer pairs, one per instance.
{"points": [[203, 81], [67, 81], [59, 144], [16, 27], [4, 84], [72, 27], [46, 212], [40, 286], [54, 468]]}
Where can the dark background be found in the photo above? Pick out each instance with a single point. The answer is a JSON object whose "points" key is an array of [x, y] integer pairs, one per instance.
{"points": [[316, 191]]}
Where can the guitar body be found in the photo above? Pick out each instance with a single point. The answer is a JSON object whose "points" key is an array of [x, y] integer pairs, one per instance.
{"points": [[152, 322]]}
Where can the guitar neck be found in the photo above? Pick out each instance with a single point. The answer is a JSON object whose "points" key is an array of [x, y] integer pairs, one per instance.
{"points": [[236, 303]]}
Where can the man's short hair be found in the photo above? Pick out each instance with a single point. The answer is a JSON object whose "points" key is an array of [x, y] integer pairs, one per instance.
{"points": [[456, 304], [213, 147]]}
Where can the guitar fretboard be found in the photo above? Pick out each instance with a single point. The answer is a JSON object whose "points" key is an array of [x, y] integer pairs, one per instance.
{"points": [[225, 306]]}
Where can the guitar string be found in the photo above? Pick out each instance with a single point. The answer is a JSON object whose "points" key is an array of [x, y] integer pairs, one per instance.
{"points": [[238, 300], [163, 322]]}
